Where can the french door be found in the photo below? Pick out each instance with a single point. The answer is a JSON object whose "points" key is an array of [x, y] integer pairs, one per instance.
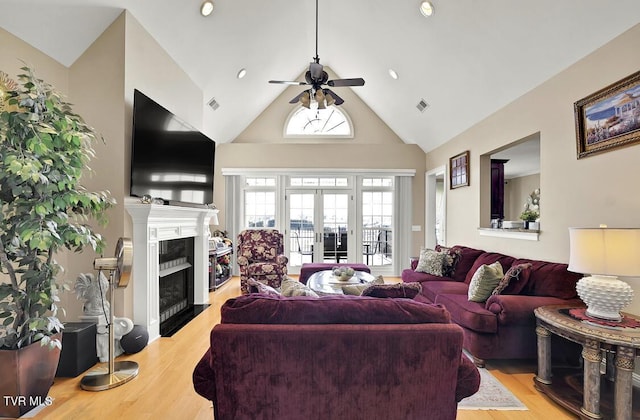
{"points": [[320, 225]]}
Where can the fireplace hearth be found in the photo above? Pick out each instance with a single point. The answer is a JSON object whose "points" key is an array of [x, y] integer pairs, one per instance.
{"points": [[153, 224], [176, 285]]}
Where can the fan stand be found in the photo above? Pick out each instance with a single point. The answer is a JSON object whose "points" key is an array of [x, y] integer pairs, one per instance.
{"points": [[114, 373]]}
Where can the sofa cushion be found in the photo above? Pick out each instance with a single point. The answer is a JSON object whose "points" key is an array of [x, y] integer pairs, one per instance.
{"points": [[468, 257], [396, 290], [431, 262], [470, 315], [256, 286], [550, 279], [514, 280], [292, 287], [341, 309], [488, 258], [484, 280], [431, 289], [410, 276]]}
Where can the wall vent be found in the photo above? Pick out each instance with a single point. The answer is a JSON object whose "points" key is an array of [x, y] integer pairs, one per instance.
{"points": [[422, 105], [213, 104]]}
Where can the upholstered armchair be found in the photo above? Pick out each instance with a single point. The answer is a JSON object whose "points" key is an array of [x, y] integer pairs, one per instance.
{"points": [[261, 257]]}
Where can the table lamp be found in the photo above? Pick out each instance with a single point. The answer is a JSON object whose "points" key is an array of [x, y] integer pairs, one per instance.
{"points": [[604, 254]]}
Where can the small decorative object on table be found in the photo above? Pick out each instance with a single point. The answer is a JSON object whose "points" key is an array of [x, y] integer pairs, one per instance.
{"points": [[343, 273]]}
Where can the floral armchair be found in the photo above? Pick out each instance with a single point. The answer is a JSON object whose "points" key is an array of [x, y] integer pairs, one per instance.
{"points": [[261, 257]]}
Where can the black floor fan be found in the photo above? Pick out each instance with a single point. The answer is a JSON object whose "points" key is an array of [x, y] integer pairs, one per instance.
{"points": [[114, 373]]}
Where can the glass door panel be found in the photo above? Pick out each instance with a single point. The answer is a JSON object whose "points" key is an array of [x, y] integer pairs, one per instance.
{"points": [[335, 223], [301, 232], [377, 228]]}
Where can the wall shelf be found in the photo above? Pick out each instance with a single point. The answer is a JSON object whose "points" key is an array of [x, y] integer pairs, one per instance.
{"points": [[523, 234]]}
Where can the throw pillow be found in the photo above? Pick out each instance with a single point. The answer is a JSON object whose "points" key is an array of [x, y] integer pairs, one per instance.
{"points": [[430, 262], [357, 289], [484, 280], [256, 286], [452, 256], [514, 280], [292, 287], [396, 290]]}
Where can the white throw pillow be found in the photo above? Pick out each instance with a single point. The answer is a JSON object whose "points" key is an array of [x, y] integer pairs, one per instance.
{"points": [[431, 262], [484, 280]]}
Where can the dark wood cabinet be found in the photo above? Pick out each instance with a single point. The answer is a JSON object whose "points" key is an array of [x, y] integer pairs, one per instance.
{"points": [[497, 188]]}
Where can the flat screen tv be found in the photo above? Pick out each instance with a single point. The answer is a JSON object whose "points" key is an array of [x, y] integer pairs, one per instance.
{"points": [[170, 159]]}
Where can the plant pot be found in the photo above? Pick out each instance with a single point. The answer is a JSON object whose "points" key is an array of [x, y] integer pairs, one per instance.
{"points": [[27, 376], [534, 225]]}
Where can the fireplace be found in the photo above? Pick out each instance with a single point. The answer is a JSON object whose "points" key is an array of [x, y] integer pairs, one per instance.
{"points": [[155, 226]]}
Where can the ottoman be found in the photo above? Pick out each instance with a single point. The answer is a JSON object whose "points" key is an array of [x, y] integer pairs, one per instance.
{"points": [[307, 269]]}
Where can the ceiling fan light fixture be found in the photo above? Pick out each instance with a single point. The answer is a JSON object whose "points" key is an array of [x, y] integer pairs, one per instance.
{"points": [[241, 73], [206, 8], [330, 99], [393, 74], [426, 8], [305, 100], [320, 98]]}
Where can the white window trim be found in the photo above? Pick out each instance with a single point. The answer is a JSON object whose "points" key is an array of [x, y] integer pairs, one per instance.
{"points": [[318, 136], [402, 213]]}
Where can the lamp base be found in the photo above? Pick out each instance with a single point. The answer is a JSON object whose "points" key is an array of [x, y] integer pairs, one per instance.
{"points": [[605, 296], [100, 379]]}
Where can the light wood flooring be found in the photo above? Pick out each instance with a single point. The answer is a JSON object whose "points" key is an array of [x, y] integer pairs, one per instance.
{"points": [[163, 387]]}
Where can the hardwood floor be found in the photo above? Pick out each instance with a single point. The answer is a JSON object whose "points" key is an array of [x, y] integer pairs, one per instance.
{"points": [[163, 387]]}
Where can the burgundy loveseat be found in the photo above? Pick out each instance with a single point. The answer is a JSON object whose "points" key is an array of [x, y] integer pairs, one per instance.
{"points": [[503, 327], [334, 357]]}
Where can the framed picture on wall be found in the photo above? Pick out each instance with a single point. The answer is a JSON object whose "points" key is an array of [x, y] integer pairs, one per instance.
{"points": [[459, 170], [609, 118]]}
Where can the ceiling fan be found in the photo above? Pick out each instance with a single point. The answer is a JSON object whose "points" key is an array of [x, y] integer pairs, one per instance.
{"points": [[316, 77]]}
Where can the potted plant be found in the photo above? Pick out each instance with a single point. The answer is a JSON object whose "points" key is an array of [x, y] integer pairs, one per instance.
{"points": [[531, 213], [44, 150]]}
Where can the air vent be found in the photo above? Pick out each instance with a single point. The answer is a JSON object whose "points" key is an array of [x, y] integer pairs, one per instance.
{"points": [[214, 104], [422, 105]]}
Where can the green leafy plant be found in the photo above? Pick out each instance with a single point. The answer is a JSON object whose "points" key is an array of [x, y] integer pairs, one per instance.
{"points": [[529, 215], [44, 149]]}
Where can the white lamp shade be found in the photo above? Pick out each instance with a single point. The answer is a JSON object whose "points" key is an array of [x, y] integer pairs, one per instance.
{"points": [[214, 219], [604, 251]]}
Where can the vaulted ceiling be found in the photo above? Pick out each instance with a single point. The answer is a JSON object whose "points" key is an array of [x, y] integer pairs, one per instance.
{"points": [[466, 61]]}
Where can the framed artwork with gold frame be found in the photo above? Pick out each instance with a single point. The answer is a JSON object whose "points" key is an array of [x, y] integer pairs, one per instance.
{"points": [[459, 170], [609, 118]]}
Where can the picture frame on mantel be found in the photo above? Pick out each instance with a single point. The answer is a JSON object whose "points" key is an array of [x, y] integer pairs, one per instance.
{"points": [[459, 170], [609, 118]]}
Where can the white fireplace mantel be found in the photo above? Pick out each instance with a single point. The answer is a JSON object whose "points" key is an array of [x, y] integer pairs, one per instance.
{"points": [[153, 223]]}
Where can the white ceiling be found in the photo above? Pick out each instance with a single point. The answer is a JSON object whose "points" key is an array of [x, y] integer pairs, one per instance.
{"points": [[468, 60]]}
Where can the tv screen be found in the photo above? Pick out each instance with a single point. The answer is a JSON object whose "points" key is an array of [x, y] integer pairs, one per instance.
{"points": [[169, 159]]}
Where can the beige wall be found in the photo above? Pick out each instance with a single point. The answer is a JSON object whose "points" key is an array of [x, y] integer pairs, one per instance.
{"points": [[585, 192], [100, 84], [516, 192], [374, 146]]}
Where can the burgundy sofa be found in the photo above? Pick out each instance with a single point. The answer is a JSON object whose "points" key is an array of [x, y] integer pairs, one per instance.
{"points": [[503, 327], [334, 357]]}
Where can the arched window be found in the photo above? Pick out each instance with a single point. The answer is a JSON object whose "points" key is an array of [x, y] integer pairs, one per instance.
{"points": [[328, 122]]}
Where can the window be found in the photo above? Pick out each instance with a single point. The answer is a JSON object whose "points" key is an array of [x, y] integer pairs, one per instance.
{"points": [[329, 122], [259, 202], [377, 220]]}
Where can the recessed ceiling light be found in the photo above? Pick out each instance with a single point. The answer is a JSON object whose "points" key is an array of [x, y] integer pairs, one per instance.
{"points": [[206, 8], [393, 74], [242, 73], [426, 8]]}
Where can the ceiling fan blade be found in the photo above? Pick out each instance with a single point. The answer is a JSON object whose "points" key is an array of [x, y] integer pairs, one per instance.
{"points": [[346, 82], [338, 100], [284, 82]]}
